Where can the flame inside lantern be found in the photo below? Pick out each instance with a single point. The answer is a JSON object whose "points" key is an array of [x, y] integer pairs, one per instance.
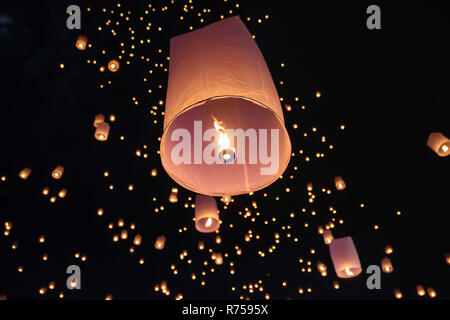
{"points": [[226, 153]]}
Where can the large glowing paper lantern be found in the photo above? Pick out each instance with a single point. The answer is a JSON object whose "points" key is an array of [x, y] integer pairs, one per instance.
{"points": [[345, 257], [439, 144], [224, 130], [206, 216]]}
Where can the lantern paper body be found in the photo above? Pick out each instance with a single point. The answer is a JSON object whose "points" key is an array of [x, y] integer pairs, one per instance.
{"points": [[160, 242], [102, 131], [58, 172], [81, 43], [439, 144], [206, 216], [99, 118], [339, 183], [219, 71], [345, 257]]}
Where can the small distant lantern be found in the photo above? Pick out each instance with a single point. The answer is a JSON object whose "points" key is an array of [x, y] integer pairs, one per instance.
{"points": [[113, 65], [218, 259], [201, 245], [25, 173], [154, 173], [398, 294], [99, 118], [431, 292], [447, 258], [219, 85], [386, 265], [388, 249], [339, 183], [327, 236], [102, 131], [439, 144], [137, 240], [345, 257], [81, 43], [57, 172], [62, 193], [320, 229], [173, 197], [420, 290], [160, 242], [206, 216]]}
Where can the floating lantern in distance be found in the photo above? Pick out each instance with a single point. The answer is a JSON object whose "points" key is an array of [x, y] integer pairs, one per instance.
{"points": [[219, 71], [218, 258], [386, 265], [160, 242], [81, 43], [431, 292], [137, 240], [102, 131], [447, 258], [201, 245], [309, 186], [113, 65], [398, 294], [439, 144], [154, 173], [62, 193], [206, 216], [57, 172], [345, 257], [420, 290], [388, 249], [24, 174], [173, 197], [99, 118], [327, 236], [339, 183]]}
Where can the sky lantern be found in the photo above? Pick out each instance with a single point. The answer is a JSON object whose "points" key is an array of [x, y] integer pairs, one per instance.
{"points": [[439, 144], [206, 215], [102, 131], [420, 290], [160, 242], [57, 172], [327, 236], [339, 183], [224, 130], [173, 195], [386, 265], [137, 240], [99, 118], [345, 257], [24, 173], [218, 258], [113, 65], [81, 43]]}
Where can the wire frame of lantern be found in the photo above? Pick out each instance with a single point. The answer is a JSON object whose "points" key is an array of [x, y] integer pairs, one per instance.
{"points": [[24, 173], [327, 236], [102, 131], [345, 257], [81, 43], [113, 65], [57, 172], [99, 118], [439, 143], [206, 215], [339, 183], [386, 265], [220, 94], [160, 242]]}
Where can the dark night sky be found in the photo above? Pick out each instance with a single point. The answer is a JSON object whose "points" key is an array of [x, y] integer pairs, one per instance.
{"points": [[389, 87]]}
